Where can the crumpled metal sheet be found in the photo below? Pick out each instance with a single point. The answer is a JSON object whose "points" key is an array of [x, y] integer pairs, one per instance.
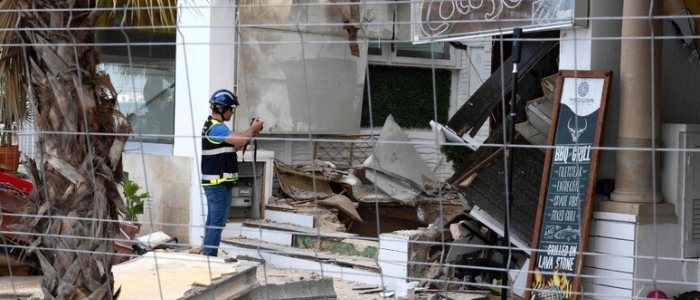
{"points": [[396, 156], [363, 192]]}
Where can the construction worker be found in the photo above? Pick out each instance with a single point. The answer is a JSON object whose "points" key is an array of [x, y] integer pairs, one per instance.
{"points": [[220, 164]]}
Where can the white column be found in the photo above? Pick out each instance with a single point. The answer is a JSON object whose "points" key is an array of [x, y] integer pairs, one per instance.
{"points": [[205, 62], [640, 70]]}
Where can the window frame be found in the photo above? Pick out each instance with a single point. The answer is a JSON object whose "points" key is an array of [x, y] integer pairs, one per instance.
{"points": [[390, 57]]}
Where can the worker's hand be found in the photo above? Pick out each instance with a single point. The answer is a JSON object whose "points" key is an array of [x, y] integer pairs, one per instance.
{"points": [[256, 126]]}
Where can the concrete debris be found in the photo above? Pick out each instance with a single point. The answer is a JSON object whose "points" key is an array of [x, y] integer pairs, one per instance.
{"points": [[458, 231], [313, 288], [196, 250], [453, 295], [398, 190], [326, 216], [345, 247], [319, 170], [156, 239], [395, 155], [361, 191], [446, 190], [395, 172], [302, 188], [344, 204], [350, 11], [188, 277]]}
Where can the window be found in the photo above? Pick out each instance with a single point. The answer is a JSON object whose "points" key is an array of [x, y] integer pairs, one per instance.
{"points": [[146, 96], [140, 60], [402, 53], [438, 51]]}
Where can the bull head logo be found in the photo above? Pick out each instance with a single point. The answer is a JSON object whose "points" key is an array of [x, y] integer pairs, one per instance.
{"points": [[575, 133]]}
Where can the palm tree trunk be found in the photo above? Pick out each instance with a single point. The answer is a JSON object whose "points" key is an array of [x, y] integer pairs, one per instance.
{"points": [[75, 202]]}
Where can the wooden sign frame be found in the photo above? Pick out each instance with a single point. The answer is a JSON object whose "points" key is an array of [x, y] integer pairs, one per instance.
{"points": [[562, 215]]}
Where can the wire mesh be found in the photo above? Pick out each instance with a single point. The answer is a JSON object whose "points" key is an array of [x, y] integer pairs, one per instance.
{"points": [[374, 200]]}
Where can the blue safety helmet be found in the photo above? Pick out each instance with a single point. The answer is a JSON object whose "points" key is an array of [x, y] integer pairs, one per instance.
{"points": [[223, 98]]}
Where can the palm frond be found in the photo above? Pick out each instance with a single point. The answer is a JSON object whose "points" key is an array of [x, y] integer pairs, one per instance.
{"points": [[13, 95], [162, 11]]}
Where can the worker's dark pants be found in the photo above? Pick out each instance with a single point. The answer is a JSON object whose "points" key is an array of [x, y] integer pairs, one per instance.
{"points": [[218, 204]]}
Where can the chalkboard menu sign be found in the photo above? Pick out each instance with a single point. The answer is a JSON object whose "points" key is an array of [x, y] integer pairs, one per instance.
{"points": [[568, 182]]}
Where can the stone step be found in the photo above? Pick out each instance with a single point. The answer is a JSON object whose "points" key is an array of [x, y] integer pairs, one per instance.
{"points": [[309, 238], [289, 217], [360, 269]]}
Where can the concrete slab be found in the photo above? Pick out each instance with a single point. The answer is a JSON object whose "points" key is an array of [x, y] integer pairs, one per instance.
{"points": [[306, 289], [396, 156], [161, 275], [397, 190]]}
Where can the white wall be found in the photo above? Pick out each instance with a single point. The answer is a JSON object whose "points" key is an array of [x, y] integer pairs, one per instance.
{"points": [[590, 49], [672, 185], [300, 85], [167, 180], [475, 68], [300, 76], [206, 61]]}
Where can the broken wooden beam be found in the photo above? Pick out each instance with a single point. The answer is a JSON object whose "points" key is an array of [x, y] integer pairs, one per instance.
{"points": [[538, 56]]}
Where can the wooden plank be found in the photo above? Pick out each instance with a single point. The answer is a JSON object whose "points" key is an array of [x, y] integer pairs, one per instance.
{"points": [[601, 215], [617, 230], [370, 291], [531, 134], [607, 262], [480, 105], [602, 292], [497, 226], [360, 288], [617, 279], [538, 119], [612, 246], [290, 218]]}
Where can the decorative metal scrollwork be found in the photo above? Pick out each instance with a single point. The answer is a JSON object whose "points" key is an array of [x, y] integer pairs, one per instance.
{"points": [[440, 16]]}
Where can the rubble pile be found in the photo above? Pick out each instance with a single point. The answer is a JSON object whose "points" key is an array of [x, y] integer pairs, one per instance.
{"points": [[451, 251]]}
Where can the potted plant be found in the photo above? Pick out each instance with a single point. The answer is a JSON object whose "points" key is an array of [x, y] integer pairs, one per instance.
{"points": [[134, 201], [9, 149], [16, 112], [128, 226]]}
